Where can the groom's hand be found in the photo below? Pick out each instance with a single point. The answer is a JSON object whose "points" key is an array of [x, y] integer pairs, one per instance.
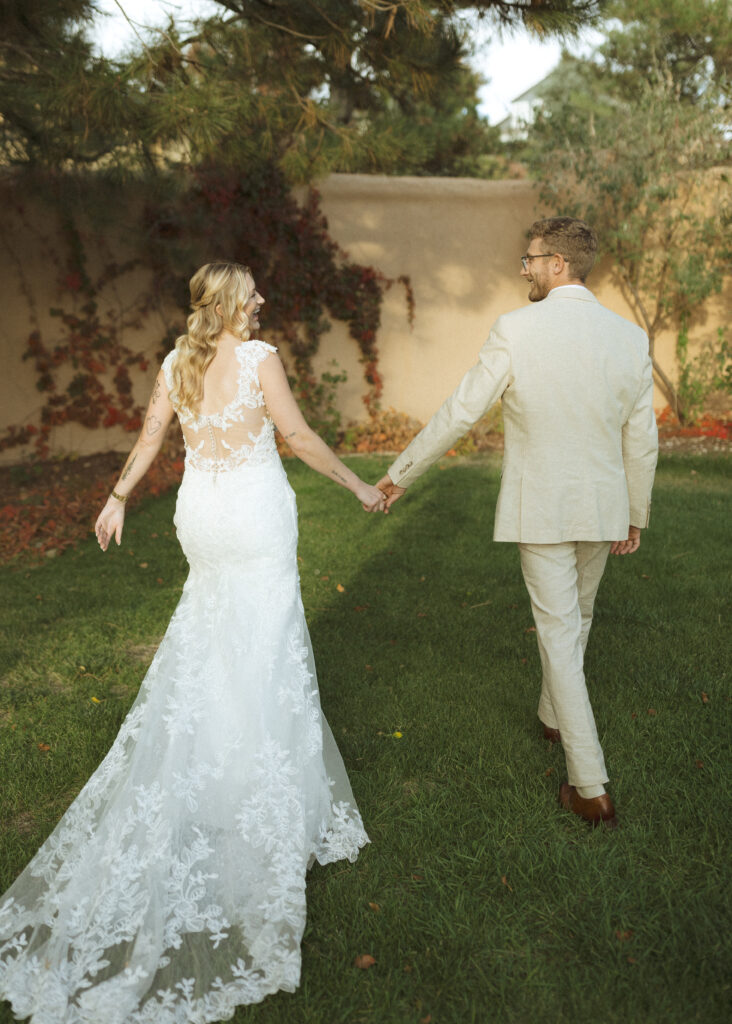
{"points": [[392, 492], [627, 547]]}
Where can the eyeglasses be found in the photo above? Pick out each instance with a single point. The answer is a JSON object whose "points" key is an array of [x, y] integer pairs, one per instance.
{"points": [[537, 256]]}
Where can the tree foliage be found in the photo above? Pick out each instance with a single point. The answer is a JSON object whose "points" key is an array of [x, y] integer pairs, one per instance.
{"points": [[310, 85]]}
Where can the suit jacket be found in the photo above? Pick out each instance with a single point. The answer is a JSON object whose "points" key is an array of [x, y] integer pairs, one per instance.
{"points": [[581, 442]]}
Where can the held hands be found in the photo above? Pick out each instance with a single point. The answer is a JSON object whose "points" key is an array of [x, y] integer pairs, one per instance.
{"points": [[627, 547], [371, 498], [390, 491], [110, 522]]}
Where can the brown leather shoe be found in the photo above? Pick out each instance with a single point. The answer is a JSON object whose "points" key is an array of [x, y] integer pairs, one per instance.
{"points": [[551, 734], [598, 810]]}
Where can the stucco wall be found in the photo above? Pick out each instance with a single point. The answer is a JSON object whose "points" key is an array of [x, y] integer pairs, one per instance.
{"points": [[459, 240]]}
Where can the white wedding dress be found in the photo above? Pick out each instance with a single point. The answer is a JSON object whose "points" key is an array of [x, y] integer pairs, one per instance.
{"points": [[173, 889]]}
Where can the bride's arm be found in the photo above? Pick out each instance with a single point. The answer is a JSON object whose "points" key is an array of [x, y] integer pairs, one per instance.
{"points": [[304, 442], [157, 420]]}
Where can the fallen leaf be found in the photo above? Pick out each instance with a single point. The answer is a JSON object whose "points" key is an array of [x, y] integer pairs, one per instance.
{"points": [[397, 735], [451, 452], [506, 883], [699, 764], [324, 578], [705, 697], [425, 1020], [360, 607], [623, 936], [633, 714], [44, 746], [421, 615], [531, 629], [651, 711], [375, 907], [408, 968], [644, 576], [548, 771], [417, 878], [143, 565], [159, 579], [524, 660], [96, 700], [631, 960], [364, 961], [368, 668], [340, 588]]}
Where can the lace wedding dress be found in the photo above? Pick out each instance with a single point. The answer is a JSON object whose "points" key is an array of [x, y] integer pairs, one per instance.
{"points": [[173, 889]]}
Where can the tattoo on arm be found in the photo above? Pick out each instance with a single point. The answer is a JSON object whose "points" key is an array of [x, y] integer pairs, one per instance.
{"points": [[152, 425], [288, 436], [156, 392], [128, 467], [338, 476]]}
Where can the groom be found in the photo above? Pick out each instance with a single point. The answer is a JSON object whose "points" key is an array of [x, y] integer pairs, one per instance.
{"points": [[580, 455]]}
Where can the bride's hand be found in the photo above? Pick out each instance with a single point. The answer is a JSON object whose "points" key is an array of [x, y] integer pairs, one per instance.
{"points": [[371, 498], [110, 522]]}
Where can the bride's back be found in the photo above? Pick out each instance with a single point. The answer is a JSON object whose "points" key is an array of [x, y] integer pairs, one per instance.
{"points": [[231, 425]]}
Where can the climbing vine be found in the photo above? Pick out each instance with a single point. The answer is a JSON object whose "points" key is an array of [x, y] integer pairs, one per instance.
{"points": [[84, 368]]}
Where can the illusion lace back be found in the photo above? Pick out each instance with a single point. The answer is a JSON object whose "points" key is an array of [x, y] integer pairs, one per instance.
{"points": [[173, 889]]}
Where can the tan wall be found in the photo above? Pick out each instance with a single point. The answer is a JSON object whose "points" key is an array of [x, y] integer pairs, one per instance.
{"points": [[459, 240]]}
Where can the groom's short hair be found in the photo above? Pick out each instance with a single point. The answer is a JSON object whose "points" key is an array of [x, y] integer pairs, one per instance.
{"points": [[571, 238]]}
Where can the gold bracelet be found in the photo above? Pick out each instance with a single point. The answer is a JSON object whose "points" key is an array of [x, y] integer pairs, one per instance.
{"points": [[120, 497]]}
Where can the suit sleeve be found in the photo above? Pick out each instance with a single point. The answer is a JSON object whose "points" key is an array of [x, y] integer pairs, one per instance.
{"points": [[640, 450], [481, 386]]}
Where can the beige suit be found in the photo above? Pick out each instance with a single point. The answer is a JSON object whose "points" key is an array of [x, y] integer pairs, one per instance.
{"points": [[580, 455]]}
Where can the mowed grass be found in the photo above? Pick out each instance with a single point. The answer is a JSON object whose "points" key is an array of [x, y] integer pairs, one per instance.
{"points": [[480, 900]]}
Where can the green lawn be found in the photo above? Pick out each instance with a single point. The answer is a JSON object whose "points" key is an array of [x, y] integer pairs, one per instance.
{"points": [[493, 904]]}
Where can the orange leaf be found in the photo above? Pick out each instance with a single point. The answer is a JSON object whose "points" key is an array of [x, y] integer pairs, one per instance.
{"points": [[340, 588], [705, 697], [44, 746], [364, 961], [624, 936], [375, 907], [548, 771], [506, 883], [651, 711], [699, 764], [425, 1020]]}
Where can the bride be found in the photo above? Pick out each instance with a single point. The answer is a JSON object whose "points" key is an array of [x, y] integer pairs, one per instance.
{"points": [[173, 889]]}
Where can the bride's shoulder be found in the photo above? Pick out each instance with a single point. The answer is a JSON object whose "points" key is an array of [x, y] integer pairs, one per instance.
{"points": [[254, 351]]}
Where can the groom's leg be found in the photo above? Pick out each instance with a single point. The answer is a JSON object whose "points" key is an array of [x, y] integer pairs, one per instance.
{"points": [[591, 561], [554, 582]]}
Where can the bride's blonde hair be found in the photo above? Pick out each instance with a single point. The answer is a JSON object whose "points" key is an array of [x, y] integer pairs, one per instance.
{"points": [[215, 286]]}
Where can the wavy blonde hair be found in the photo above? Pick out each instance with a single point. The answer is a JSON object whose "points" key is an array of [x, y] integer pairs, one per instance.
{"points": [[223, 285]]}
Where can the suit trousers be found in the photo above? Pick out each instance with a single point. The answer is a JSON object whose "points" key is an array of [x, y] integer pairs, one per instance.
{"points": [[562, 581]]}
